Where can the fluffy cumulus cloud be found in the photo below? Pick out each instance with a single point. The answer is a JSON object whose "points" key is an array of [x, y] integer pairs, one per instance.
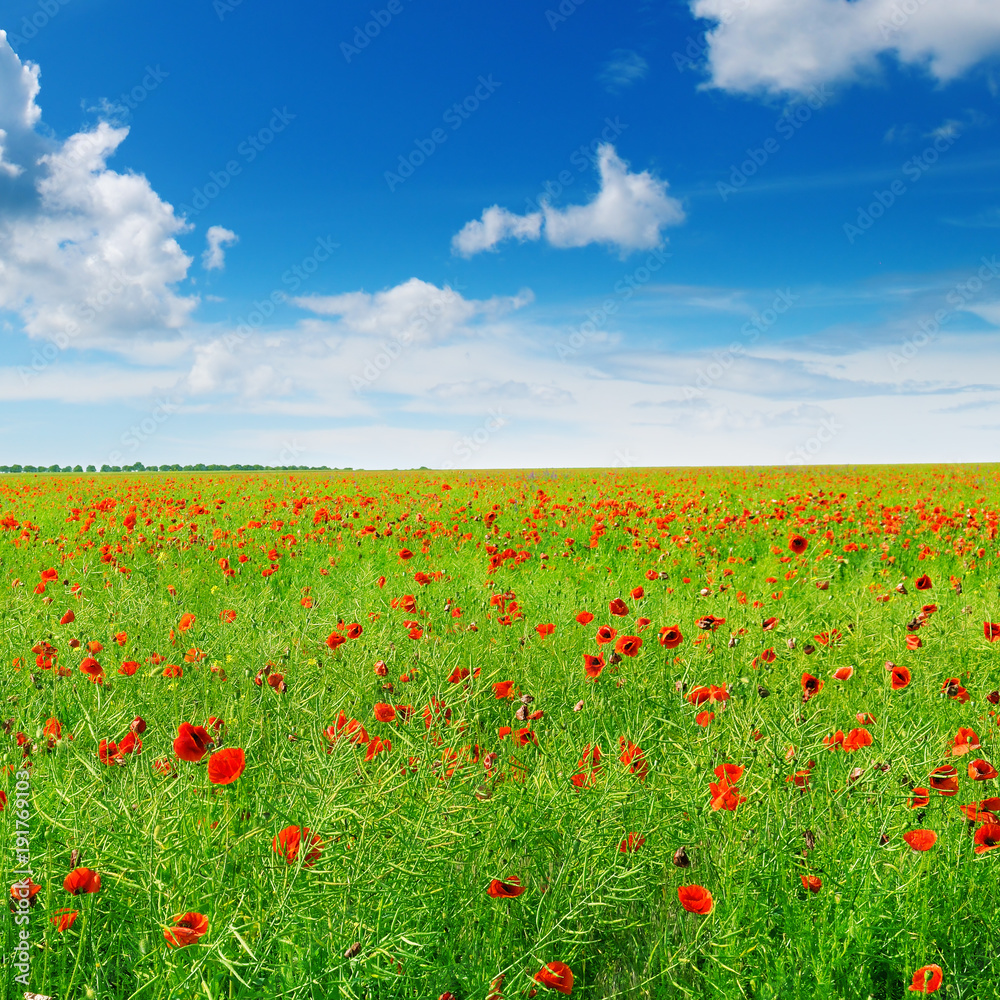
{"points": [[629, 212], [782, 46], [414, 312], [217, 239], [89, 254], [496, 225]]}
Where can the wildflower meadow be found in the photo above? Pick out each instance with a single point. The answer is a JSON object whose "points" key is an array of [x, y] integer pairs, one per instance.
{"points": [[652, 733]]}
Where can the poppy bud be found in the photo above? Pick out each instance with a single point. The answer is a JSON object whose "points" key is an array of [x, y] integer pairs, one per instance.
{"points": [[138, 725], [681, 860]]}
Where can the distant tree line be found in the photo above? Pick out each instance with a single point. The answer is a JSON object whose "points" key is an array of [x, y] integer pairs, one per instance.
{"points": [[139, 467]]}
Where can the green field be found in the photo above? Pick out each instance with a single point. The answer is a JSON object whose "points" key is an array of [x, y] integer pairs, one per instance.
{"points": [[231, 597]]}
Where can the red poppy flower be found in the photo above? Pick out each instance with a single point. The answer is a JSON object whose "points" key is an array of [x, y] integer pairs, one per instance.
{"points": [[921, 797], [618, 608], [633, 756], [965, 740], [503, 689], [768, 624], [226, 766], [900, 678], [922, 582], [798, 544], [628, 645], [699, 694], [335, 639], [704, 718], [405, 554], [920, 840], [695, 899], [557, 975], [709, 623], [377, 746], [192, 742], [953, 688], [981, 770], [187, 929], [82, 880], [128, 668], [991, 630], [173, 670], [944, 780], [856, 739], [914, 642], [63, 919], [843, 674], [458, 674], [354, 631], [187, 620], [228, 615], [606, 634], [593, 665], [927, 979], [93, 670], [631, 843], [810, 686], [812, 882], [292, 840], [21, 891], [670, 636], [510, 889], [584, 617], [384, 712], [983, 811], [865, 718], [987, 837], [638, 593], [768, 656], [545, 630], [67, 618]]}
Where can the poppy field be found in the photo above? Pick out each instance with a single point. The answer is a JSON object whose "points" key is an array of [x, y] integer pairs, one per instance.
{"points": [[704, 733]]}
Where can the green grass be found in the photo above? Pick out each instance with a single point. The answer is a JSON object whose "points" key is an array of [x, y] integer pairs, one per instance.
{"points": [[407, 853]]}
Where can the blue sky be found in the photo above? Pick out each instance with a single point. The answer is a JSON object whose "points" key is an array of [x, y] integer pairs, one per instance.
{"points": [[480, 236]]}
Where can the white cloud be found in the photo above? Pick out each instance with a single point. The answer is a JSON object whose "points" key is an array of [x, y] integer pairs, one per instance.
{"points": [[496, 225], [88, 254], [412, 312], [217, 239], [622, 70], [780, 46], [628, 213]]}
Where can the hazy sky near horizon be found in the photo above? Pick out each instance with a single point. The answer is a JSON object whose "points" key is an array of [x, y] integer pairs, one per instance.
{"points": [[388, 234]]}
